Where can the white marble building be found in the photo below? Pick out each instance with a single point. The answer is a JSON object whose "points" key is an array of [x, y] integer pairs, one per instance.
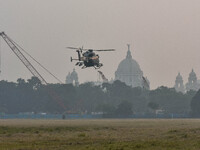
{"points": [[129, 72]]}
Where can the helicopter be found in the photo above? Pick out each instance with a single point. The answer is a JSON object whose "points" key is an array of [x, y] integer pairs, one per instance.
{"points": [[88, 58]]}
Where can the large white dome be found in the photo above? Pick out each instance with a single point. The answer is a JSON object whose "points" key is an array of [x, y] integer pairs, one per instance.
{"points": [[129, 71]]}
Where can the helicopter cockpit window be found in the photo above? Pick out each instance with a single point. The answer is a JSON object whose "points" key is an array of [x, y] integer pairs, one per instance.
{"points": [[85, 54], [91, 54]]}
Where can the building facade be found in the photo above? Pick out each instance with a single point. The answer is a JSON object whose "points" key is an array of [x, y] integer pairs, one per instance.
{"points": [[72, 78], [192, 84], [129, 72]]}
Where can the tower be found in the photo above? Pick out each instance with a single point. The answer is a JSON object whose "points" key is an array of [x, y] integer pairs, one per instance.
{"points": [[192, 82], [179, 86]]}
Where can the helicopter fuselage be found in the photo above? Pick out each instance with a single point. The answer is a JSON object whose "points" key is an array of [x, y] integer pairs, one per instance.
{"points": [[91, 61], [88, 58]]}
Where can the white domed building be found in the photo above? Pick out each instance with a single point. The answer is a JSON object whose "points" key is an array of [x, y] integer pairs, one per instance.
{"points": [[129, 72]]}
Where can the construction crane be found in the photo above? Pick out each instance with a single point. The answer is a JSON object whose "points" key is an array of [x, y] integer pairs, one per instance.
{"points": [[15, 48], [145, 83], [23, 59], [103, 76]]}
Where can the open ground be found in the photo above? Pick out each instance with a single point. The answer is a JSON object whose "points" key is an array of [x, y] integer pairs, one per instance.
{"points": [[102, 134]]}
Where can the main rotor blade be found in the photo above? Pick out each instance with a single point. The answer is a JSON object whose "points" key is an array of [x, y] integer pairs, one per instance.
{"points": [[104, 50], [72, 48], [80, 48], [90, 49]]}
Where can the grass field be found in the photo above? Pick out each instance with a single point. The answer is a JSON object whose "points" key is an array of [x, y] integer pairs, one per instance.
{"points": [[102, 134]]}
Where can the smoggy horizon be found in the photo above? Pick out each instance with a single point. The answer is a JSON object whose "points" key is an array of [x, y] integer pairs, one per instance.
{"points": [[164, 36]]}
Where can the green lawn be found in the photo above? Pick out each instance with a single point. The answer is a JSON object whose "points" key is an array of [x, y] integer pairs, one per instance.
{"points": [[108, 134]]}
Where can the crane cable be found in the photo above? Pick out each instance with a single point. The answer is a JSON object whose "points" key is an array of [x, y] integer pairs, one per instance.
{"points": [[37, 62]]}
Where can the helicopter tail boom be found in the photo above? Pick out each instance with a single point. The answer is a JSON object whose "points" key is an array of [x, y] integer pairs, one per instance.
{"points": [[71, 59]]}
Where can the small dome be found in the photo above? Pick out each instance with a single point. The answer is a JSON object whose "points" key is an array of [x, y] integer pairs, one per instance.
{"points": [[179, 86], [74, 73], [179, 77], [192, 74], [192, 82]]}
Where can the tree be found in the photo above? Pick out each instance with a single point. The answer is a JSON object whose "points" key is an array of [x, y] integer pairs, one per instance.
{"points": [[106, 108], [31, 96], [34, 83], [124, 109], [169, 100], [154, 106], [195, 105], [20, 82]]}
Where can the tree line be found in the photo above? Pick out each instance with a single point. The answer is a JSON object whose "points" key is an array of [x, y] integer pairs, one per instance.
{"points": [[110, 98]]}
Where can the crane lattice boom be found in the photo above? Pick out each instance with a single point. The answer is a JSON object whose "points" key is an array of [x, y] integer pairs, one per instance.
{"points": [[29, 66], [23, 59]]}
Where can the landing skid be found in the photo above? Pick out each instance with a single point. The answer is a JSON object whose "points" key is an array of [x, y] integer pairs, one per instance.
{"points": [[79, 64], [83, 67], [99, 66]]}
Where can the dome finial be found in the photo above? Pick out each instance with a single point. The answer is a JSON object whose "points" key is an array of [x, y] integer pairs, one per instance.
{"points": [[128, 52], [128, 47]]}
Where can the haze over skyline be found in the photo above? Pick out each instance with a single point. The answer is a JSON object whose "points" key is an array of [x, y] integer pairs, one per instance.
{"points": [[164, 36]]}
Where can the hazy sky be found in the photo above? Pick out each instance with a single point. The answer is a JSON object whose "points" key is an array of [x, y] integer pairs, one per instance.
{"points": [[164, 36]]}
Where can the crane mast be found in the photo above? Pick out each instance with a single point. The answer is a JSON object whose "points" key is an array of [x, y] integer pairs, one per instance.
{"points": [[14, 47], [23, 59]]}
